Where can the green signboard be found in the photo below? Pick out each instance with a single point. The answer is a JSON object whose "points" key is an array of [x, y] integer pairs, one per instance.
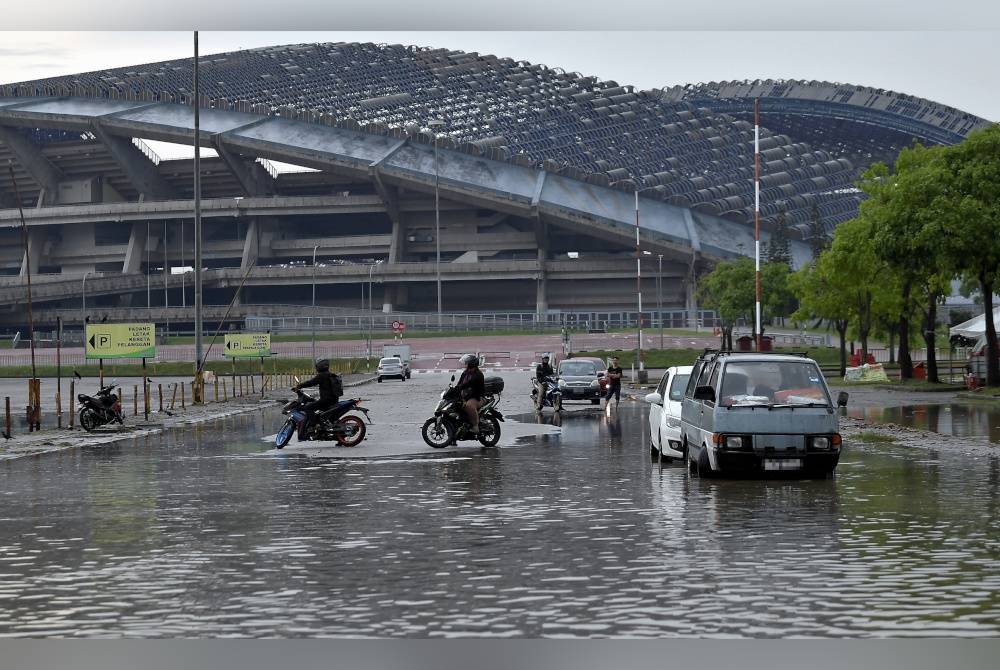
{"points": [[120, 340], [248, 345]]}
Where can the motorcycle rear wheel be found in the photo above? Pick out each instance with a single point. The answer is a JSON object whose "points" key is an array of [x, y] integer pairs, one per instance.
{"points": [[89, 420], [284, 435], [489, 431], [353, 432], [437, 436]]}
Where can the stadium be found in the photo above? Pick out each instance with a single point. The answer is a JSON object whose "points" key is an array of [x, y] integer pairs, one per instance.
{"points": [[346, 182]]}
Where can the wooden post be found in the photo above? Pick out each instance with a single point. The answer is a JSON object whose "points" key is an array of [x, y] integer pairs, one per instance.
{"points": [[183, 405], [216, 388], [135, 400], [58, 410], [7, 417], [173, 396], [34, 409], [159, 388], [253, 385], [72, 402], [225, 393]]}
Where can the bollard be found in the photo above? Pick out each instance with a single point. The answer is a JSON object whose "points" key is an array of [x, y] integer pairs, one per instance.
{"points": [[135, 400], [159, 388], [72, 404], [7, 421]]}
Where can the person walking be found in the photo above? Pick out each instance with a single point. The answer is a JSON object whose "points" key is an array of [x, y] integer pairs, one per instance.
{"points": [[614, 381]]}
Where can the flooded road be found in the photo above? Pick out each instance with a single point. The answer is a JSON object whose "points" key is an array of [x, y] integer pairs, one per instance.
{"points": [[206, 532], [968, 419]]}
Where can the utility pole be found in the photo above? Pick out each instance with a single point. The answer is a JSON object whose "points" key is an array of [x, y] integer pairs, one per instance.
{"points": [[200, 363]]}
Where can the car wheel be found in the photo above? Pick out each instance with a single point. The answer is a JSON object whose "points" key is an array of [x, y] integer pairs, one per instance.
{"points": [[379, 380], [595, 401], [692, 466]]}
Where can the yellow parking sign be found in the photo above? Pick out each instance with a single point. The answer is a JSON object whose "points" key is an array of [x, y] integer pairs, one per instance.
{"points": [[247, 345], [120, 340]]}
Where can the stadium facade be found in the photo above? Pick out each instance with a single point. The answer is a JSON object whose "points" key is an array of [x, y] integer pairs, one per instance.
{"points": [[523, 180]]}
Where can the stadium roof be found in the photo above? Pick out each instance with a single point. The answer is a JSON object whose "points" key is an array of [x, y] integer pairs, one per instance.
{"points": [[689, 146]]}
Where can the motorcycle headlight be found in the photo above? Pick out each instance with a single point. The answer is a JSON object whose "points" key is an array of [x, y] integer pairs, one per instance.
{"points": [[562, 383]]}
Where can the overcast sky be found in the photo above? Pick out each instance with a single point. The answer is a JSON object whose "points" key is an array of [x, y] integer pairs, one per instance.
{"points": [[948, 52]]}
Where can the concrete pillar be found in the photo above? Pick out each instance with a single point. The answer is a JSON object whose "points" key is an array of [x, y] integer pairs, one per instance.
{"points": [[397, 243], [251, 245], [691, 297], [36, 242], [136, 250], [541, 283]]}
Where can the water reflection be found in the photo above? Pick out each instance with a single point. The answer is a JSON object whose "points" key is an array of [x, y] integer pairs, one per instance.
{"points": [[959, 420], [569, 535]]}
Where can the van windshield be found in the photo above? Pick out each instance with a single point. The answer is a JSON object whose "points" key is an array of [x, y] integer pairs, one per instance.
{"points": [[773, 383]]}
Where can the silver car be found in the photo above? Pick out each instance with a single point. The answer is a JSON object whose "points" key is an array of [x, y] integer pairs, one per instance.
{"points": [[390, 368]]}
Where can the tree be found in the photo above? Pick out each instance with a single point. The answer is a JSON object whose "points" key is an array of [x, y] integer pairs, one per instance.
{"points": [[779, 250], [899, 211], [821, 291], [730, 290], [965, 221], [819, 241]]}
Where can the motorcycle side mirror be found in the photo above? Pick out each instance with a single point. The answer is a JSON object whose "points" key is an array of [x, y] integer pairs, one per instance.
{"points": [[453, 378], [295, 377], [77, 374]]}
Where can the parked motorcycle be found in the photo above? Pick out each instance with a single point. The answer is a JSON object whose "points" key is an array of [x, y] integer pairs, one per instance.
{"points": [[552, 398], [449, 423], [332, 425], [102, 408]]}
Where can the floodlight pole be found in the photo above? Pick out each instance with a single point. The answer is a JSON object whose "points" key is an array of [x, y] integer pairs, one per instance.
{"points": [[434, 125], [756, 218], [200, 363]]}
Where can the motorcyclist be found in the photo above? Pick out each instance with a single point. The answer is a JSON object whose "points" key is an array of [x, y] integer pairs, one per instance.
{"points": [[330, 387], [471, 387], [542, 373]]}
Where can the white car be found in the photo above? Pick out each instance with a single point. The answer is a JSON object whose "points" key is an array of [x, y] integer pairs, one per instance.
{"points": [[391, 368], [665, 413]]}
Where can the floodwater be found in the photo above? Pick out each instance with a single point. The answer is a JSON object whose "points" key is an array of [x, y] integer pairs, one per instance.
{"points": [[980, 420], [205, 532]]}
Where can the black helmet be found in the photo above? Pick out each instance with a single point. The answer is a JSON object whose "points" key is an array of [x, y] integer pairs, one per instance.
{"points": [[322, 365], [469, 359], [545, 357]]}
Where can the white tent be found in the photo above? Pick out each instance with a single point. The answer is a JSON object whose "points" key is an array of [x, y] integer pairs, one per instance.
{"points": [[975, 328]]}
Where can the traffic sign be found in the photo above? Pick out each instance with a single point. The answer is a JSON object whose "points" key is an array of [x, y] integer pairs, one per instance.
{"points": [[398, 326], [120, 340], [395, 325], [247, 345]]}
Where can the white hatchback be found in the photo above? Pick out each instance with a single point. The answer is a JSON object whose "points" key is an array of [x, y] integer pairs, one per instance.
{"points": [[665, 413]]}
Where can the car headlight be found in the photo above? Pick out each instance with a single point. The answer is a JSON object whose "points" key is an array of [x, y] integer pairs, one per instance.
{"points": [[825, 442], [595, 384], [723, 441], [734, 441]]}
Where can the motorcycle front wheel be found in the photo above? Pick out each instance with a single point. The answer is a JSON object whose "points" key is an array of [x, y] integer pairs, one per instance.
{"points": [[89, 420], [557, 402], [437, 435], [284, 435], [489, 431], [353, 431]]}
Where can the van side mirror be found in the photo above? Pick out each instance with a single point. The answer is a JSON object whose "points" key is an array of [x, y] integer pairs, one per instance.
{"points": [[842, 399], [704, 393]]}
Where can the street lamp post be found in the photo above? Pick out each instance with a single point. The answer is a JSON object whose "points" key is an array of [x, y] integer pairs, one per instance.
{"points": [[371, 308], [312, 317], [434, 125], [659, 294]]}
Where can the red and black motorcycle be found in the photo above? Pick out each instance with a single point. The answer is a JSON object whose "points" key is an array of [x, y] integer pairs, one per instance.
{"points": [[102, 408]]}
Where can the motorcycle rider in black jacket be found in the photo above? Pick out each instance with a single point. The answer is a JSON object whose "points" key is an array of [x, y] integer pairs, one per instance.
{"points": [[542, 373], [329, 384]]}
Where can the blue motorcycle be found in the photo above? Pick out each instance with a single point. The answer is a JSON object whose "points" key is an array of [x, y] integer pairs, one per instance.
{"points": [[552, 397]]}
